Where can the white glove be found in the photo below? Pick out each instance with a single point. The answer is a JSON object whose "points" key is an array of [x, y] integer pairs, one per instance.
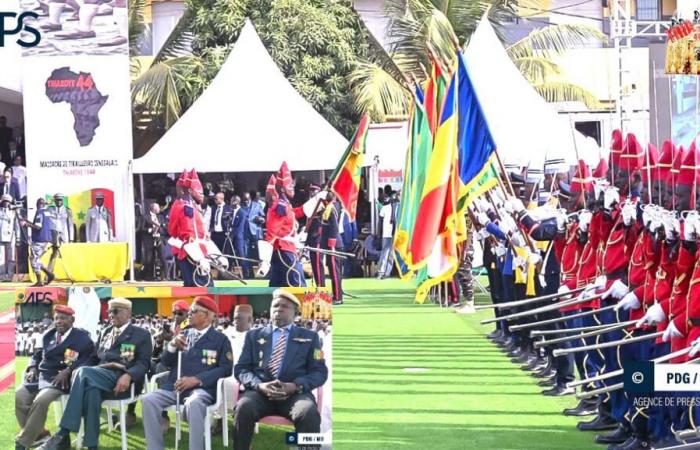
{"points": [[655, 224], [265, 254], [629, 301], [517, 240], [311, 203], [561, 220], [519, 262], [500, 250], [672, 227], [629, 211], [517, 205], [563, 289], [670, 332], [584, 219], [654, 315], [508, 206], [483, 234], [600, 282], [482, 218], [534, 258], [695, 348], [484, 206], [647, 215], [610, 197], [204, 266], [617, 290], [690, 227], [506, 225]]}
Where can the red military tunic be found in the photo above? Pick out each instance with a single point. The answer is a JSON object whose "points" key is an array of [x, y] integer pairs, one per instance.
{"points": [[569, 252], [665, 278], [619, 248], [645, 292], [186, 223], [281, 225], [677, 309], [692, 324], [588, 265]]}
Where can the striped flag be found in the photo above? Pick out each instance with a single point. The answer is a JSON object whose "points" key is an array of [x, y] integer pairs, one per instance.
{"points": [[345, 180]]}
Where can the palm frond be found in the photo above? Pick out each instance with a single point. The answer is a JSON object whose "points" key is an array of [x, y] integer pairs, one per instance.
{"points": [[536, 70], [555, 40], [179, 42], [377, 92], [137, 26], [566, 92]]}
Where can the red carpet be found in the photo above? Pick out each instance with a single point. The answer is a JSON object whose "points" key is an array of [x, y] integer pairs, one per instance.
{"points": [[7, 349]]}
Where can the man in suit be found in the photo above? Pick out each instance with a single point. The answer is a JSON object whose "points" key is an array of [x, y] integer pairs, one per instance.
{"points": [[48, 375], [123, 356], [220, 221], [280, 365], [152, 240], [256, 221], [98, 224], [239, 223], [9, 185], [206, 357]]}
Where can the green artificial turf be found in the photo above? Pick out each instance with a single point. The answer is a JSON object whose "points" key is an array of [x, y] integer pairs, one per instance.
{"points": [[471, 397]]}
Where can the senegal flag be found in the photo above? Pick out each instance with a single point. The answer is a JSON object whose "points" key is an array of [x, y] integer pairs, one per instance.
{"points": [[345, 180], [415, 170], [80, 202]]}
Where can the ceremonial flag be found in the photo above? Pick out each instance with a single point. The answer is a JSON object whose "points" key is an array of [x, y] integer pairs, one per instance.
{"points": [[436, 203], [415, 170], [345, 180], [477, 172]]}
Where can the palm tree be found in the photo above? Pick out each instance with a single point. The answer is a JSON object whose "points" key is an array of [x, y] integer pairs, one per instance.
{"points": [[417, 25]]}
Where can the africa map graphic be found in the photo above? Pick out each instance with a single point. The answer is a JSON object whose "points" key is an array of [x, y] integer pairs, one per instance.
{"points": [[85, 100]]}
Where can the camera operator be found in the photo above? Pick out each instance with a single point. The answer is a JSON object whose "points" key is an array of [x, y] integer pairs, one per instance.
{"points": [[152, 243], [41, 240], [9, 231]]}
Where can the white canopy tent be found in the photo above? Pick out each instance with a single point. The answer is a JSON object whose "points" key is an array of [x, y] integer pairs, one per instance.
{"points": [[249, 119], [525, 127]]}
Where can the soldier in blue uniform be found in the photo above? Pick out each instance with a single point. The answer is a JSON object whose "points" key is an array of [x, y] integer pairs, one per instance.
{"points": [[330, 237], [281, 364], [123, 356], [41, 241], [49, 372], [206, 357]]}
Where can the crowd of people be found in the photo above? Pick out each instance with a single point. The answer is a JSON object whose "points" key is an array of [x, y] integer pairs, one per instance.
{"points": [[615, 248], [275, 357]]}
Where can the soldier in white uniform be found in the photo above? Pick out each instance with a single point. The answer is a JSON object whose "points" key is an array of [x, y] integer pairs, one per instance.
{"points": [[9, 231], [98, 225], [61, 221]]}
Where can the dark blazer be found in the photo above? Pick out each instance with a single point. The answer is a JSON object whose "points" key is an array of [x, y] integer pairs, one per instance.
{"points": [[74, 351], [132, 350], [209, 359], [14, 189], [303, 362], [329, 227], [149, 226], [255, 230], [239, 224], [226, 215]]}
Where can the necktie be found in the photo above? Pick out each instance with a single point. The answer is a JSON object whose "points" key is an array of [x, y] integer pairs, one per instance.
{"points": [[218, 216], [115, 336], [278, 353], [59, 337], [192, 338]]}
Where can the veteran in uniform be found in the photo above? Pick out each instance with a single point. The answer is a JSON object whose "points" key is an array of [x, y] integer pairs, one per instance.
{"points": [[123, 356], [98, 225], [280, 366], [206, 357], [48, 375]]}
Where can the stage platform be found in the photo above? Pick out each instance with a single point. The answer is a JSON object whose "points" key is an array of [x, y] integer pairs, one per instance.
{"points": [[147, 297]]}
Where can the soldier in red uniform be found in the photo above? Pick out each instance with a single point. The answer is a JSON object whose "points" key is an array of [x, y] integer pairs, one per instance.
{"points": [[278, 249], [186, 225]]}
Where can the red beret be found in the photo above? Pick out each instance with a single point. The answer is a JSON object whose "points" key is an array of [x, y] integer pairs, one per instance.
{"points": [[206, 302], [181, 305], [63, 309]]}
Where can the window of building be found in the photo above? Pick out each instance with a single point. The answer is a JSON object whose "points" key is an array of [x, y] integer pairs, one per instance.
{"points": [[648, 10]]}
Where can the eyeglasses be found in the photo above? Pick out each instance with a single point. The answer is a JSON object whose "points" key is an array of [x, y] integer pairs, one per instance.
{"points": [[195, 311], [180, 313], [113, 311]]}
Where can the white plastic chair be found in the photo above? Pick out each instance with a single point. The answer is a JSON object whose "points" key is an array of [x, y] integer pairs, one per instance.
{"points": [[219, 406], [122, 404]]}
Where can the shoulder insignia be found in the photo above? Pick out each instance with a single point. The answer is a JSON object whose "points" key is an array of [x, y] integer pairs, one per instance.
{"points": [[261, 341]]}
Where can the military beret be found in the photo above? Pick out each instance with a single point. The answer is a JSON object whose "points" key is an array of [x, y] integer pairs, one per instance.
{"points": [[207, 303], [63, 309], [181, 305], [120, 302], [243, 308], [283, 293]]}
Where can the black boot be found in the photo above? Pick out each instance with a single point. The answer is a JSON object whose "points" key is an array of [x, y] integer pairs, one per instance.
{"points": [[618, 436], [585, 407], [559, 391], [599, 423]]}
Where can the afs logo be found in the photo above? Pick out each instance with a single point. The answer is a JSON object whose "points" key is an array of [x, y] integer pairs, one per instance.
{"points": [[6, 18]]}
